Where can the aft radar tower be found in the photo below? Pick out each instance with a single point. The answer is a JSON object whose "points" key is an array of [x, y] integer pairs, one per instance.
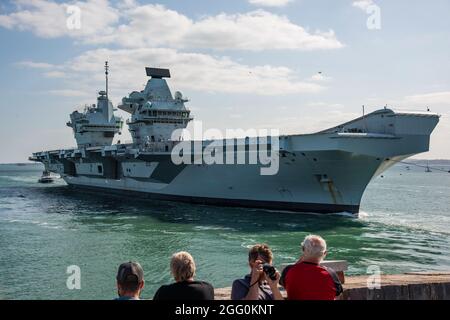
{"points": [[155, 114]]}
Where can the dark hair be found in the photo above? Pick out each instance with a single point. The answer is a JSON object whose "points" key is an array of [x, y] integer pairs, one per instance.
{"points": [[131, 284], [262, 250]]}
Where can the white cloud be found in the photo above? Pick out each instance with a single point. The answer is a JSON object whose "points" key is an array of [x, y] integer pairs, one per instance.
{"points": [[35, 65], [6, 21], [191, 71], [48, 19], [327, 105], [155, 26], [319, 77], [437, 99], [363, 4], [55, 74], [154, 34], [311, 122], [126, 4], [51, 70], [270, 3], [438, 102]]}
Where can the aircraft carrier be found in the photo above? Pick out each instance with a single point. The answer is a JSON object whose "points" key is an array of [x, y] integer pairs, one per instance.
{"points": [[324, 172]]}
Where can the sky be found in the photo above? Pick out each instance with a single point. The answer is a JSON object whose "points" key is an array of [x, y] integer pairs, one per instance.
{"points": [[299, 66]]}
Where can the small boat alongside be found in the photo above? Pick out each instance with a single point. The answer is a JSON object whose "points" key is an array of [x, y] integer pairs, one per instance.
{"points": [[46, 177]]}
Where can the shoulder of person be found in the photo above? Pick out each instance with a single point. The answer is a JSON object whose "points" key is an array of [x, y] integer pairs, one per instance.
{"points": [[240, 288], [208, 287], [204, 284], [161, 290], [337, 282], [330, 270], [285, 272], [242, 282], [201, 284]]}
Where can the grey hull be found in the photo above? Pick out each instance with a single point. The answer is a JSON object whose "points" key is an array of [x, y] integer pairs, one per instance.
{"points": [[257, 204], [325, 172]]}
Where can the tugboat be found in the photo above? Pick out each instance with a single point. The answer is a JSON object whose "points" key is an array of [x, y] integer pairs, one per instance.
{"points": [[46, 177]]}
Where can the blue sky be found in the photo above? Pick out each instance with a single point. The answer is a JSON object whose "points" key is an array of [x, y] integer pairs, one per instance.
{"points": [[243, 63]]}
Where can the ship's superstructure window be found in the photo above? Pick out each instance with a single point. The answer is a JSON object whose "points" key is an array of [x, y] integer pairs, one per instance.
{"points": [[96, 125], [156, 113]]}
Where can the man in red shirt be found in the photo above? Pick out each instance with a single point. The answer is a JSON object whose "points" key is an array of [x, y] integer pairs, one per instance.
{"points": [[307, 279]]}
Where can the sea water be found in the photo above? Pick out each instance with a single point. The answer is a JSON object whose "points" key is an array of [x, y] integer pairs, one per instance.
{"points": [[404, 226]]}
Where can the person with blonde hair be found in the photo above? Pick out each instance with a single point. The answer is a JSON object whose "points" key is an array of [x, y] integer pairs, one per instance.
{"points": [[182, 267], [307, 279]]}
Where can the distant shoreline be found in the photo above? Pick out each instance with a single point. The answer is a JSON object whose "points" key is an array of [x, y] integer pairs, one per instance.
{"points": [[407, 286]]}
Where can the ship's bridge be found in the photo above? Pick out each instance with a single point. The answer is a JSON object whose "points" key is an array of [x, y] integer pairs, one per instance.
{"points": [[97, 124], [155, 113]]}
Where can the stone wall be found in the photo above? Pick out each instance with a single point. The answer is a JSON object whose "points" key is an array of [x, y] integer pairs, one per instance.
{"points": [[409, 286]]}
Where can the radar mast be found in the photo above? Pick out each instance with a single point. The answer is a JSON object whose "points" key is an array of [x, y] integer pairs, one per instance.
{"points": [[106, 75]]}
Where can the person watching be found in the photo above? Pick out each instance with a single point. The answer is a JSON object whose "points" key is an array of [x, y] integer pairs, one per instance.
{"points": [[183, 269], [258, 285], [130, 281], [307, 279]]}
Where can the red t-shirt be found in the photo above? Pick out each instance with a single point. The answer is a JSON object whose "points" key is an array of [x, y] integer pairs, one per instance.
{"points": [[310, 281]]}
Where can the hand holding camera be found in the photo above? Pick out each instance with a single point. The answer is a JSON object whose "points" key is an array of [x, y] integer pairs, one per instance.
{"points": [[270, 271], [257, 271]]}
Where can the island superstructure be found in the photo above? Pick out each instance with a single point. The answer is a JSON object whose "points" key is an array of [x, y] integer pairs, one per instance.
{"points": [[97, 124], [324, 172]]}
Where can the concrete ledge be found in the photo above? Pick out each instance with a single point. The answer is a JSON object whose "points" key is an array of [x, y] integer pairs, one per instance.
{"points": [[409, 286]]}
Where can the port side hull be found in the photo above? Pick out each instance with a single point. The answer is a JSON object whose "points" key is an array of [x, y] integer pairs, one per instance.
{"points": [[321, 182], [243, 203]]}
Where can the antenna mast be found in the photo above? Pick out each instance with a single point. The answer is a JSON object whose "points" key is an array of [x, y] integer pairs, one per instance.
{"points": [[106, 74]]}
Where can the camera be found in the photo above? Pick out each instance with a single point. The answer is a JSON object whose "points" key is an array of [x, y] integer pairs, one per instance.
{"points": [[270, 271]]}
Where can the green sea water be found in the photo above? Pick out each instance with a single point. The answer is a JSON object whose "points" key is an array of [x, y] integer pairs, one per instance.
{"points": [[404, 226]]}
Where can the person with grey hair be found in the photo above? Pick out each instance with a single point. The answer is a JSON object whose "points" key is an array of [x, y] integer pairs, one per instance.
{"points": [[182, 267], [307, 279]]}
